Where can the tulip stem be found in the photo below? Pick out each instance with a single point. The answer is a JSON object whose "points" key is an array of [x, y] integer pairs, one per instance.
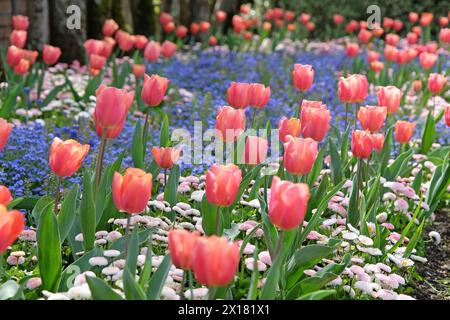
{"points": [[145, 131], [127, 232], [191, 284], [253, 117], [346, 115], [356, 115], [358, 183], [216, 228], [278, 247], [101, 153], [57, 194]]}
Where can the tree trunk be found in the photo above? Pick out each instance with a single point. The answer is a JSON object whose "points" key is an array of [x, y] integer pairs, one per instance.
{"points": [[97, 13], [185, 13], [122, 15], [38, 13], [143, 17], [70, 40]]}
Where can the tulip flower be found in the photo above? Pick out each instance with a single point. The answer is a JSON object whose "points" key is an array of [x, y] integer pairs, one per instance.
{"points": [[12, 224], [315, 122], [14, 55], [204, 26], [20, 22], [443, 21], [372, 56], [221, 15], [237, 95], [222, 184], [390, 53], [364, 36], [338, 19], [18, 38], [426, 18], [93, 46], [447, 115], [214, 261], [194, 28], [362, 144], [299, 155], [303, 76], [5, 131], [436, 83], [140, 41], [181, 32], [131, 192], [125, 40], [372, 117], [389, 97], [258, 95], [51, 54], [109, 27], [152, 51], [166, 157], [169, 27], [377, 66], [165, 18], [353, 88], [417, 85], [412, 38], [288, 203], [352, 49], [5, 196], [22, 67], [154, 90], [255, 150], [212, 41], [444, 35], [230, 123], [168, 49], [96, 62], [139, 70], [288, 127], [67, 156], [404, 131], [181, 244], [413, 17], [378, 141], [427, 60]]}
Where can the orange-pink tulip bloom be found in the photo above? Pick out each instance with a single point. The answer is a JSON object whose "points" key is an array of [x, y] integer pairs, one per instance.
{"points": [[390, 98], [222, 184], [67, 156], [404, 131], [353, 88], [299, 155], [315, 122], [181, 244], [12, 224], [372, 117], [230, 123], [166, 157], [362, 144], [154, 90], [303, 76]]}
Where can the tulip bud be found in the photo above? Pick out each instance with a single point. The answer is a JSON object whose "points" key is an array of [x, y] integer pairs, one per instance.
{"points": [[165, 157], [12, 224], [288, 203], [140, 41], [51, 54], [362, 144], [222, 184], [154, 90], [22, 67], [372, 117], [303, 77], [181, 32], [237, 94], [18, 38], [214, 261], [66, 156], [139, 70], [426, 18], [152, 51], [299, 155], [109, 27], [288, 127], [404, 131], [132, 191], [20, 22], [352, 49], [168, 49], [181, 244]]}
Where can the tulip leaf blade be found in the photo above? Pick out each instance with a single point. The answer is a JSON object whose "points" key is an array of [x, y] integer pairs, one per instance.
{"points": [[171, 188], [100, 290], [131, 288], [336, 169], [40, 206], [164, 134], [67, 214], [87, 212], [137, 148], [429, 134], [158, 279]]}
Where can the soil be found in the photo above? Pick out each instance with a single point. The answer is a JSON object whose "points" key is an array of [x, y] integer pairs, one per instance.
{"points": [[435, 273]]}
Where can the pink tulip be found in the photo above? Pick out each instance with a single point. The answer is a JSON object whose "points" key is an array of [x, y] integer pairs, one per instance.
{"points": [[389, 97], [315, 122], [237, 95], [303, 77], [222, 184], [230, 123], [154, 90], [299, 155], [353, 88]]}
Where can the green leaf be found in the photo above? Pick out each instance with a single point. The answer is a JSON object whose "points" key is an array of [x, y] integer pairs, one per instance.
{"points": [[209, 213], [415, 238], [49, 250], [52, 94], [317, 295], [133, 251], [386, 151], [87, 212], [147, 269], [24, 203], [336, 169], [317, 167], [164, 134], [67, 213], [253, 290], [119, 244], [10, 101], [100, 290], [132, 290], [158, 279], [137, 147], [396, 167], [41, 205], [428, 135], [171, 189]]}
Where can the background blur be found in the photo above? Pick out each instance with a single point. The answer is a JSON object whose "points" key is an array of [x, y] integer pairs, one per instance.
{"points": [[48, 17]]}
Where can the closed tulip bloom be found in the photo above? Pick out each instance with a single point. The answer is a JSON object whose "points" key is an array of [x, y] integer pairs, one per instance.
{"points": [[67, 156], [353, 88], [372, 56], [109, 27], [299, 155], [362, 144], [14, 55], [417, 30], [412, 38], [444, 35], [12, 224], [255, 150], [20, 22], [222, 184], [51, 54], [131, 192], [426, 18], [352, 49], [315, 122], [392, 39], [404, 131], [221, 15], [168, 49], [96, 62], [372, 117], [390, 53], [413, 17], [436, 83], [152, 51], [237, 94], [402, 57], [140, 41], [5, 131], [427, 60], [288, 127], [443, 21], [212, 41], [204, 26], [22, 67], [230, 123], [377, 66], [258, 95], [169, 27], [181, 32], [30, 56], [111, 132], [125, 40], [378, 141], [194, 28], [389, 97], [93, 46], [181, 244], [398, 25], [388, 23], [303, 76], [447, 115], [214, 261], [165, 158], [18, 38], [5, 196], [288, 203], [165, 18], [417, 85], [338, 19], [364, 36], [154, 90], [139, 70], [111, 107]]}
